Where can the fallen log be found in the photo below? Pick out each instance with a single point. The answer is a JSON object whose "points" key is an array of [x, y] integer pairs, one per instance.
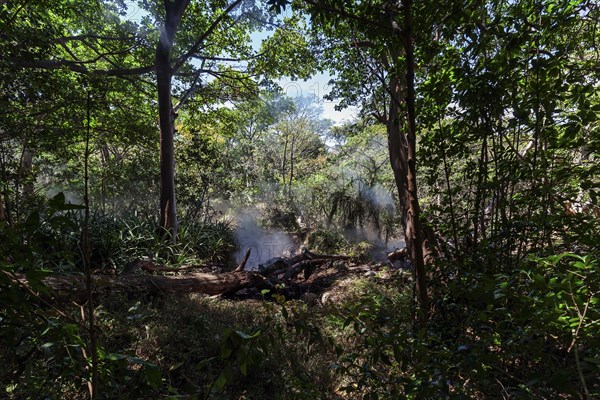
{"points": [[211, 284], [278, 265], [398, 254], [306, 265], [141, 276], [146, 264], [312, 255]]}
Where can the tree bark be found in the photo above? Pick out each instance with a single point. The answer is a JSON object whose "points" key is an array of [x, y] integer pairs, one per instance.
{"points": [[74, 286], [289, 194], [283, 164], [402, 150], [415, 230], [399, 145], [166, 116], [27, 171], [2, 215], [7, 210]]}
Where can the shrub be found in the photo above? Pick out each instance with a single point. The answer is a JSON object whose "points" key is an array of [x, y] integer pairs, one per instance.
{"points": [[326, 241]]}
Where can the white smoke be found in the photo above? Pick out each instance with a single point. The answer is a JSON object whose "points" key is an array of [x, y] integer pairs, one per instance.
{"points": [[263, 244], [379, 196], [70, 197]]}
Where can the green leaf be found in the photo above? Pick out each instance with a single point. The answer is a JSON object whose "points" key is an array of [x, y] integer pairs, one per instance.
{"points": [[47, 345], [244, 366], [176, 366], [153, 375], [224, 377], [592, 360], [115, 357], [221, 381], [246, 336]]}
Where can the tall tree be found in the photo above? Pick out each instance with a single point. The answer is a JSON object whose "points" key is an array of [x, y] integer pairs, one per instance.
{"points": [[515, 88], [370, 47], [297, 136], [166, 115], [75, 39]]}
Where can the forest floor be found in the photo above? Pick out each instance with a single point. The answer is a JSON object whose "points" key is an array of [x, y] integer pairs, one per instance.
{"points": [[252, 344], [310, 325]]}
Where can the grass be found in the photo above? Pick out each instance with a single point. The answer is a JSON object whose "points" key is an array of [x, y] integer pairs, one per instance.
{"points": [[486, 340], [183, 335]]}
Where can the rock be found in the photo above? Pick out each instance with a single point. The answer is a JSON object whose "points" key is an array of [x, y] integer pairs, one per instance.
{"points": [[326, 298]]}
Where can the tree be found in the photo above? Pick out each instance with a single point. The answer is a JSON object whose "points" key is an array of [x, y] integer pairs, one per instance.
{"points": [[515, 92], [166, 115], [370, 46], [297, 137], [361, 195], [56, 53], [76, 40], [165, 71]]}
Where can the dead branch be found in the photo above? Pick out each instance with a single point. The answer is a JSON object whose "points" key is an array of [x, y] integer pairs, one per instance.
{"points": [[242, 264], [295, 269]]}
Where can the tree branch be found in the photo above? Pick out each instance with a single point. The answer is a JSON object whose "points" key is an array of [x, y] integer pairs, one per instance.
{"points": [[194, 49], [343, 13], [77, 67], [81, 38], [193, 87]]}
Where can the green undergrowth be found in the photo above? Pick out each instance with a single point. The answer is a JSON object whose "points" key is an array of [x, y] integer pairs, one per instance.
{"points": [[214, 348], [50, 240], [363, 345], [529, 332], [332, 241], [117, 240]]}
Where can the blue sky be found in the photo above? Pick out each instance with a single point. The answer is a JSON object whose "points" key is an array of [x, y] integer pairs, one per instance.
{"points": [[318, 86]]}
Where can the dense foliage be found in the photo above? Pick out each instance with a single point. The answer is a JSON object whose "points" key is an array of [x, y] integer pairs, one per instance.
{"points": [[505, 117]]}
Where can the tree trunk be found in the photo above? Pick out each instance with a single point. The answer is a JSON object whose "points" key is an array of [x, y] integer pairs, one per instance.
{"points": [[166, 116], [133, 279], [399, 145], [413, 222], [4, 189], [27, 171], [402, 150], [105, 153], [284, 162], [6, 209], [73, 286], [2, 214], [289, 194]]}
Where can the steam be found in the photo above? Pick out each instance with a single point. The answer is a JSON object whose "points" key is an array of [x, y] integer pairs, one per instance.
{"points": [[70, 197], [263, 244], [378, 195]]}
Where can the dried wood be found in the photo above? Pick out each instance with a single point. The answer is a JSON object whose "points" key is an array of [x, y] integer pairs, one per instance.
{"points": [[133, 279], [211, 284], [242, 264]]}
